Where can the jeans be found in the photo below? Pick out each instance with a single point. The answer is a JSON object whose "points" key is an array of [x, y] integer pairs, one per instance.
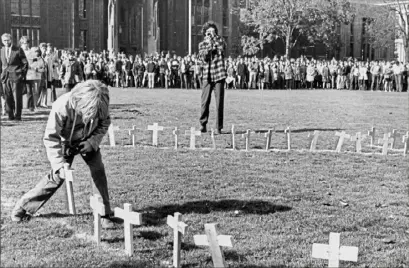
{"points": [[151, 80], [33, 92], [218, 88], [398, 82], [34, 199]]}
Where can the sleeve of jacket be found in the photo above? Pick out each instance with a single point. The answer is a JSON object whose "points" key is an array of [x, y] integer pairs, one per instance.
{"points": [[205, 50], [52, 137], [99, 132]]}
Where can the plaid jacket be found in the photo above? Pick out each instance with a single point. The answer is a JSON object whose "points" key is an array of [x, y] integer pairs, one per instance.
{"points": [[213, 67]]}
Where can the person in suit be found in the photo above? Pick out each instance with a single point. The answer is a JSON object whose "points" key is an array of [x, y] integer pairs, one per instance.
{"points": [[14, 66], [211, 51], [71, 72]]}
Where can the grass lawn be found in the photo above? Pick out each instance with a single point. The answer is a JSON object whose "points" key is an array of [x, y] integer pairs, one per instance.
{"points": [[286, 200]]}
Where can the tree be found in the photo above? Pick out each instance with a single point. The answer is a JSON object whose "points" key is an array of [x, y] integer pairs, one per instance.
{"points": [[401, 9], [381, 21], [288, 20]]}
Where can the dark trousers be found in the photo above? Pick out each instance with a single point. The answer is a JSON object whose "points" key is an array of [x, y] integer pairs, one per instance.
{"points": [[218, 88], [13, 92], [34, 199], [68, 87], [53, 93]]}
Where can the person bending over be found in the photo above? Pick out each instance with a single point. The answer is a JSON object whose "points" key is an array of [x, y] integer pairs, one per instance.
{"points": [[76, 125]]}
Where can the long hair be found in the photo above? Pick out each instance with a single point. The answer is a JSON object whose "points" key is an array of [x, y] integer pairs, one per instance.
{"points": [[90, 99]]}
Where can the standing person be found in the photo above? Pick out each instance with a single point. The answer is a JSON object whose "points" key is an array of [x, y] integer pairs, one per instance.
{"points": [[51, 59], [398, 74], [211, 50], [31, 79], [288, 75], [76, 125], [36, 72], [198, 74], [151, 73], [14, 66], [376, 73], [70, 72], [241, 73]]}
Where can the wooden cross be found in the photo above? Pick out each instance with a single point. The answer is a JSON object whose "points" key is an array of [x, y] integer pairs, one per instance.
{"points": [[130, 218], [193, 133], [233, 137], [385, 141], [268, 136], [69, 179], [247, 136], [342, 136], [358, 141], [214, 241], [176, 133], [287, 131], [314, 140], [333, 252], [371, 133], [213, 139], [405, 142], [394, 138], [179, 229], [132, 133], [155, 128], [111, 134], [98, 209]]}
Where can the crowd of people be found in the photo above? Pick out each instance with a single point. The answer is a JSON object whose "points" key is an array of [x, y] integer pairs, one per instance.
{"points": [[49, 68]]}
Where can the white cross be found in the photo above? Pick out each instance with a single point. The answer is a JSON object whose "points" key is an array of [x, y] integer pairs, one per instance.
{"points": [[341, 136], [385, 141], [233, 137], [268, 136], [179, 229], [111, 134], [214, 241], [394, 136], [176, 134], [132, 133], [358, 138], [371, 133], [155, 128], [314, 140], [247, 136], [98, 210], [213, 139], [129, 218], [69, 179], [405, 142], [287, 131], [193, 133], [333, 252]]}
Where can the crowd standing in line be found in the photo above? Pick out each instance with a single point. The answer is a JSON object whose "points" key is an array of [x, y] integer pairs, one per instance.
{"points": [[49, 68]]}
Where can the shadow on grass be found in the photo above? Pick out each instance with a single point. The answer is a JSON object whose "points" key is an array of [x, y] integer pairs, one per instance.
{"points": [[61, 215], [301, 130], [157, 215], [131, 264], [150, 235]]}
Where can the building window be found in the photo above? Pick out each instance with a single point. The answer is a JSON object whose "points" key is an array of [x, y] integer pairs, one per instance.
{"points": [[201, 11], [15, 9], [205, 12], [225, 9], [25, 8], [35, 8], [198, 12], [82, 8]]}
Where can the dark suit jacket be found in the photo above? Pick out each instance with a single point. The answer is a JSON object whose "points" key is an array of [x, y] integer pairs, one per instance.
{"points": [[16, 68]]}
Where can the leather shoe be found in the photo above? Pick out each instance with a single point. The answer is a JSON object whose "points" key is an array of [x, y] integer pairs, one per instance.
{"points": [[203, 129], [218, 131], [18, 214]]}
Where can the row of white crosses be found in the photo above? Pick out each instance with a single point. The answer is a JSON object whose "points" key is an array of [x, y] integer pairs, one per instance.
{"points": [[388, 139], [333, 252]]}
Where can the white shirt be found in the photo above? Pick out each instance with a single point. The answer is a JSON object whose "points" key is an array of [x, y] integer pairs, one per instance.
{"points": [[8, 53]]}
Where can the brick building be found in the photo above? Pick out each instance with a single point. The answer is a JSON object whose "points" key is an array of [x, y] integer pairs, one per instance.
{"points": [[144, 26]]}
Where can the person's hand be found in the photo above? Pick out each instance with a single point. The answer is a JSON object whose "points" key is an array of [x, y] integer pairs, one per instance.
{"points": [[61, 173], [86, 147]]}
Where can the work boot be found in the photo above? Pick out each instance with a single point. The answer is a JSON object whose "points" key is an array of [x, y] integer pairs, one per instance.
{"points": [[18, 214], [106, 223]]}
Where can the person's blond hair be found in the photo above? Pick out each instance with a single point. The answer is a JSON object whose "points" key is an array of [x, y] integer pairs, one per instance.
{"points": [[90, 99]]}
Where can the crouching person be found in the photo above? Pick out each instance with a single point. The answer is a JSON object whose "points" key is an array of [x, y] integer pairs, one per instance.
{"points": [[76, 125]]}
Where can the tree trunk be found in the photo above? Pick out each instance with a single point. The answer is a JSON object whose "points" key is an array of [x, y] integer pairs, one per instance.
{"points": [[287, 43]]}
